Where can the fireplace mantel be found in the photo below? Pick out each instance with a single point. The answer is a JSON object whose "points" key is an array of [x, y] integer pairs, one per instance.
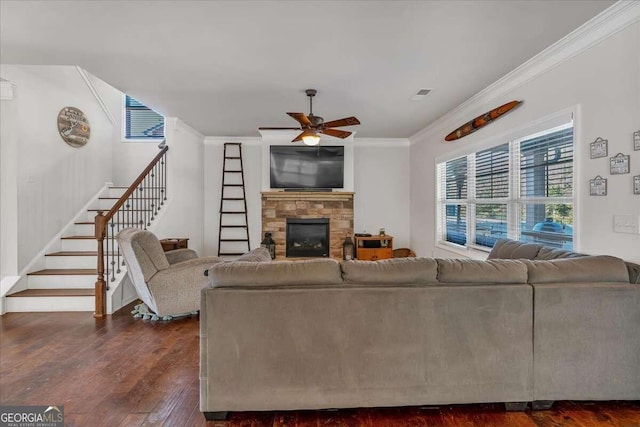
{"points": [[308, 195], [337, 206]]}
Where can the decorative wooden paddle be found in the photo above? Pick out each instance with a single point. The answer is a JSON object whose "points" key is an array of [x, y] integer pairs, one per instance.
{"points": [[481, 121]]}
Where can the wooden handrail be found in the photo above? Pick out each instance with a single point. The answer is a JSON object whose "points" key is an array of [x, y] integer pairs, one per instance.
{"points": [[133, 186], [103, 220]]}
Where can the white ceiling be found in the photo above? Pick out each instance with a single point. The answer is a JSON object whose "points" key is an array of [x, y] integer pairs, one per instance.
{"points": [[228, 67]]}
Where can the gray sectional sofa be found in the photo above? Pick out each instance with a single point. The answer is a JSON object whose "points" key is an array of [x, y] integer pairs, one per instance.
{"points": [[418, 331]]}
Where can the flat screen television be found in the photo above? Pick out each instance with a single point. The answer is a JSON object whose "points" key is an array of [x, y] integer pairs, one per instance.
{"points": [[294, 166]]}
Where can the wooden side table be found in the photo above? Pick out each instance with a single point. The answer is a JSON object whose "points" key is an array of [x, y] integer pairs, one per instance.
{"points": [[174, 243], [374, 248]]}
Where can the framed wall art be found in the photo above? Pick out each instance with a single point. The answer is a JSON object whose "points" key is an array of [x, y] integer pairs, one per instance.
{"points": [[619, 164], [598, 186], [599, 148], [636, 140], [636, 184]]}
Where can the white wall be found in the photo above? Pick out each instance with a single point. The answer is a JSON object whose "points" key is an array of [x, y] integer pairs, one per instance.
{"points": [[54, 180], [382, 189], [183, 214], [602, 84], [8, 183], [380, 177]]}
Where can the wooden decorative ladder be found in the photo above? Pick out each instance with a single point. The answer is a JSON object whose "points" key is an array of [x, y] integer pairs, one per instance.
{"points": [[233, 232]]}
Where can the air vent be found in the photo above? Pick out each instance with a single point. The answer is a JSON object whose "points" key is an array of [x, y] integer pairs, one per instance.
{"points": [[420, 94]]}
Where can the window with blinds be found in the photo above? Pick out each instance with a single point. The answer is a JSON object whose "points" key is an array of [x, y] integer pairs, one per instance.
{"points": [[141, 122], [521, 189]]}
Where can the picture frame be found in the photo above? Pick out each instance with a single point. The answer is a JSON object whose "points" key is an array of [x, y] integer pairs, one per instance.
{"points": [[598, 186], [599, 148], [636, 140], [636, 185], [619, 164]]}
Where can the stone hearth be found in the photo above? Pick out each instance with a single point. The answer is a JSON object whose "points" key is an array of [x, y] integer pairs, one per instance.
{"points": [[277, 206]]}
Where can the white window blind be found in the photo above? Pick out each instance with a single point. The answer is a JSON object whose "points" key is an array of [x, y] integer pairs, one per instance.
{"points": [[141, 122], [520, 189]]}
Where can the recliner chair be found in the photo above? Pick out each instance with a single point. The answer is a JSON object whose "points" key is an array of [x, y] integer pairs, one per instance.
{"points": [[169, 283]]}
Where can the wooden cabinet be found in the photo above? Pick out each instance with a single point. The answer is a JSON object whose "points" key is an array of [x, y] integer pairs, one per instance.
{"points": [[173, 244], [374, 248]]}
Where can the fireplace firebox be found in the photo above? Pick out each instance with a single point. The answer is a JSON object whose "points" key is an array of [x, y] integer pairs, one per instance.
{"points": [[308, 237]]}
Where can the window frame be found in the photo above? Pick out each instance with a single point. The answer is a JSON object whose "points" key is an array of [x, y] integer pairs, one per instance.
{"points": [[123, 133], [515, 201]]}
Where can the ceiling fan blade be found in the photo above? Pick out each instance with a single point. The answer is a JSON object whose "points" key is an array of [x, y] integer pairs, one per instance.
{"points": [[347, 121], [263, 128], [298, 138], [336, 133], [301, 118]]}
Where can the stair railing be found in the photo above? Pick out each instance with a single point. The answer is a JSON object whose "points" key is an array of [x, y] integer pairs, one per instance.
{"points": [[137, 207]]}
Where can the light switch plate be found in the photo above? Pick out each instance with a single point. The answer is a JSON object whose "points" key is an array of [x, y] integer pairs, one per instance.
{"points": [[626, 224]]}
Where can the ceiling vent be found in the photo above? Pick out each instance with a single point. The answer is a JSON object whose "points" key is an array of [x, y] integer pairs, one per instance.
{"points": [[420, 95]]}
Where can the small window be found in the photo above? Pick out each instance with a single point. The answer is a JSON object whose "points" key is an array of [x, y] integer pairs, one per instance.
{"points": [[141, 122]]}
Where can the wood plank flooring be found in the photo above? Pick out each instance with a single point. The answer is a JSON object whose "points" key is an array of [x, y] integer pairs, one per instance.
{"points": [[121, 371]]}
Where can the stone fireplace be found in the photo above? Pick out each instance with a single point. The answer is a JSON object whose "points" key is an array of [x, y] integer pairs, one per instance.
{"points": [[335, 209]]}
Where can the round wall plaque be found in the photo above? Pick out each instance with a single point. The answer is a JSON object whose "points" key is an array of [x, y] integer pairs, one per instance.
{"points": [[73, 126]]}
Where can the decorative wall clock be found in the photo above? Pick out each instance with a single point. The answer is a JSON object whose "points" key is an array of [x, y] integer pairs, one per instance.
{"points": [[73, 127]]}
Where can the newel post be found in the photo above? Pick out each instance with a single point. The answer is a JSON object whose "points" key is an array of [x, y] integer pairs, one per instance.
{"points": [[101, 285]]}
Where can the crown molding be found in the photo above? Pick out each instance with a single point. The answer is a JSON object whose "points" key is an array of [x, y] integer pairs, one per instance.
{"points": [[245, 140], [7, 90], [181, 126], [381, 142], [94, 91], [609, 22]]}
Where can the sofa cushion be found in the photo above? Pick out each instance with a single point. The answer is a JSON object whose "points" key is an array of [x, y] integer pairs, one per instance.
{"points": [[307, 272], [581, 269], [634, 272], [256, 255], [512, 249], [547, 253], [390, 271], [477, 271]]}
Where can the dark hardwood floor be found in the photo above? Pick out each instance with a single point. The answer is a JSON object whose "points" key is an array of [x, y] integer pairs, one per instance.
{"points": [[121, 371]]}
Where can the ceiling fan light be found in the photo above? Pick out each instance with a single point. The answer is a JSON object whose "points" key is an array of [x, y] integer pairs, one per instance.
{"points": [[311, 139]]}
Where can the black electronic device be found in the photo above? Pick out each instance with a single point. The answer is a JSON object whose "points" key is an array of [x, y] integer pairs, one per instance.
{"points": [[305, 167]]}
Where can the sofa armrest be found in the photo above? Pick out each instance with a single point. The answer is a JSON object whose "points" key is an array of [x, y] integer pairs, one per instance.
{"points": [[179, 255]]}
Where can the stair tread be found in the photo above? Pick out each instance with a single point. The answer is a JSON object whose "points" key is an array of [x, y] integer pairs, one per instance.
{"points": [[233, 157], [234, 240], [65, 272], [128, 210], [70, 292], [233, 171], [232, 198], [233, 226], [136, 198], [232, 185], [73, 253], [78, 238], [233, 212]]}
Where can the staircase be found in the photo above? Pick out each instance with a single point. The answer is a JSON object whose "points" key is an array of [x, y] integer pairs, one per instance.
{"points": [[67, 283], [85, 263]]}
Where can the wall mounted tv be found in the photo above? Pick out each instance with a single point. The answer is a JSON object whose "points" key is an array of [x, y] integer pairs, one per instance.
{"points": [[294, 166]]}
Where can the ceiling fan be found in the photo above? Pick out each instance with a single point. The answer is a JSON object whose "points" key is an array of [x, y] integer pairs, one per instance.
{"points": [[312, 126]]}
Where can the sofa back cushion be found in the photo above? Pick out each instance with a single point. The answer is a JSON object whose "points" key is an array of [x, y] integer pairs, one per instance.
{"points": [[256, 255], [547, 253], [307, 272], [390, 271], [477, 271], [512, 249], [580, 269]]}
